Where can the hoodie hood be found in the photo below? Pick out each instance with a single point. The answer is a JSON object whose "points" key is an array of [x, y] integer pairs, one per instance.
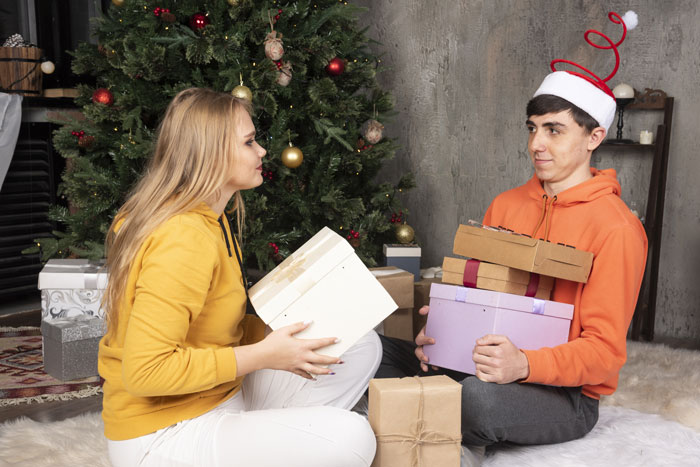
{"points": [[604, 182]]}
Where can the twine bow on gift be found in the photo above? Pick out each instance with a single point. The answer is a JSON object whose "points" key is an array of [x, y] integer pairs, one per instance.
{"points": [[419, 435]]}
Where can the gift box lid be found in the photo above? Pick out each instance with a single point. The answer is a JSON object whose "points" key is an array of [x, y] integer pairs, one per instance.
{"points": [[522, 252], [497, 272], [73, 329], [73, 274], [401, 249], [502, 300], [298, 273]]}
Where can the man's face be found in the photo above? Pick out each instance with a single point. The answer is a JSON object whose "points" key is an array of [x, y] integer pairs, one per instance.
{"points": [[560, 149]]}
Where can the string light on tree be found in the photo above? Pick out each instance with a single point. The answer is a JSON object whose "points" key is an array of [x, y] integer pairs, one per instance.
{"points": [[292, 156], [241, 91]]}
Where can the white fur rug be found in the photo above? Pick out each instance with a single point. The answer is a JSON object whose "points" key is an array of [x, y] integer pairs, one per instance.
{"points": [[656, 379]]}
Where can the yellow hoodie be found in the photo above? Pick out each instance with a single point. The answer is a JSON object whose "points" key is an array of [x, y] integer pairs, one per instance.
{"points": [[171, 355]]}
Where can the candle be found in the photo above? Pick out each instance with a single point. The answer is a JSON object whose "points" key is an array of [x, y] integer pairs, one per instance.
{"points": [[646, 137]]}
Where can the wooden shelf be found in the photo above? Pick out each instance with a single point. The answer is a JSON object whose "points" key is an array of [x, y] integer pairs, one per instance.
{"points": [[645, 312]]}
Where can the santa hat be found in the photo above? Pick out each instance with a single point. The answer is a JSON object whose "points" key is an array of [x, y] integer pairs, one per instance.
{"points": [[590, 93]]}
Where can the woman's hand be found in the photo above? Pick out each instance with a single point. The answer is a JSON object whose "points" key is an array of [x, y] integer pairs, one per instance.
{"points": [[280, 350], [421, 340]]}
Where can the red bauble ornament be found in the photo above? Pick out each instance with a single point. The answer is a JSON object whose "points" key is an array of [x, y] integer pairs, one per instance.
{"points": [[103, 96], [335, 67], [198, 21]]}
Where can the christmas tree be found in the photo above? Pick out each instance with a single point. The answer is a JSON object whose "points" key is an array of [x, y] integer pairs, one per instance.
{"points": [[317, 106]]}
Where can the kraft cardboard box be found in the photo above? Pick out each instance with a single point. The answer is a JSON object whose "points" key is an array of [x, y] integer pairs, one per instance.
{"points": [[417, 421], [522, 252], [324, 281], [482, 275], [421, 297], [399, 284], [460, 315]]}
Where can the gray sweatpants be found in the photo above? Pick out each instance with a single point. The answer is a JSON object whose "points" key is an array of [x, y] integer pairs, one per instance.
{"points": [[503, 413]]}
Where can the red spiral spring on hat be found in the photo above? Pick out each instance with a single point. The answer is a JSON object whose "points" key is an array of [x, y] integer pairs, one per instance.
{"points": [[593, 78]]}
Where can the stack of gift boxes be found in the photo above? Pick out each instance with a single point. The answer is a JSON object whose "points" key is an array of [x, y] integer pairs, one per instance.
{"points": [[72, 319], [502, 285]]}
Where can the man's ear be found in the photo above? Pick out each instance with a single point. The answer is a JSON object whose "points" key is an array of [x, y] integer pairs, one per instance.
{"points": [[596, 137]]}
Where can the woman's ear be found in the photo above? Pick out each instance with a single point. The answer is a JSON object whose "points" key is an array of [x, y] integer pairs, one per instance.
{"points": [[596, 137]]}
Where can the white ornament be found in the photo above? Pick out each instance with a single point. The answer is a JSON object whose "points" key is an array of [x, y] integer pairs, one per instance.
{"points": [[284, 74], [273, 46], [48, 67]]}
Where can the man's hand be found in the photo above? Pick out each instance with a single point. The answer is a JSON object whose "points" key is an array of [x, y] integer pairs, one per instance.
{"points": [[498, 360], [421, 340]]}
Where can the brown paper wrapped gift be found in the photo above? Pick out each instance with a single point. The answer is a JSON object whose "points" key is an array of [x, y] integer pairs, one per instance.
{"points": [[421, 297], [399, 284], [522, 252], [416, 421], [496, 277]]}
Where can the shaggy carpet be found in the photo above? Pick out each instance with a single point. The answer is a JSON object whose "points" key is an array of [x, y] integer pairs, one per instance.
{"points": [[656, 379], [22, 376]]}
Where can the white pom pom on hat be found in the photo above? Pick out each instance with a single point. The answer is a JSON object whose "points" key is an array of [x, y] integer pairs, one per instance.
{"points": [[590, 94], [631, 20]]}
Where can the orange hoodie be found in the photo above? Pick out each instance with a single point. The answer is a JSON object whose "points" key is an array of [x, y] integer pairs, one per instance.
{"points": [[592, 217]]}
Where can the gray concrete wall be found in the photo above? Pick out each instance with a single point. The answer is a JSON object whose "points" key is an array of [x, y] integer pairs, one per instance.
{"points": [[462, 72]]}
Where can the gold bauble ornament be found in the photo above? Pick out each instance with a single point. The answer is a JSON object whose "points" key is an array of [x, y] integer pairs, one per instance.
{"points": [[118, 2], [405, 233], [233, 2], [242, 92], [292, 157]]}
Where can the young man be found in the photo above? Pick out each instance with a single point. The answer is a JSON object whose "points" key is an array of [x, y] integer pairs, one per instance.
{"points": [[551, 395]]}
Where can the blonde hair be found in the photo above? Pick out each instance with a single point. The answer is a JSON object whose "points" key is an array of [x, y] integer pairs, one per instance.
{"points": [[193, 158]]}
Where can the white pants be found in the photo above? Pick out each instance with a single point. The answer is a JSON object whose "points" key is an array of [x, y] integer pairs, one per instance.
{"points": [[277, 419]]}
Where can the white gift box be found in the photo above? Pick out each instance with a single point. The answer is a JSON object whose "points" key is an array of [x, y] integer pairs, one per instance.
{"points": [[72, 287], [323, 281]]}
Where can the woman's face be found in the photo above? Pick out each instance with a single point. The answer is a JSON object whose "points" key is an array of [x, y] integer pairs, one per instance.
{"points": [[247, 169]]}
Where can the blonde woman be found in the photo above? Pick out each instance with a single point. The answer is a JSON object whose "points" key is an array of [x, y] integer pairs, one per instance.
{"points": [[190, 379]]}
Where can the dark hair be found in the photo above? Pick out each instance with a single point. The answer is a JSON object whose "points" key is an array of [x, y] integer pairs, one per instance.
{"points": [[548, 103]]}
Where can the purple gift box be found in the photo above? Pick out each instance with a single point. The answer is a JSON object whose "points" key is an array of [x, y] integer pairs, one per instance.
{"points": [[459, 316]]}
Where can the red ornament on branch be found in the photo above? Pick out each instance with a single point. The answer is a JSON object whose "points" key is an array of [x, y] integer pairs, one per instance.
{"points": [[103, 96], [335, 67], [198, 21]]}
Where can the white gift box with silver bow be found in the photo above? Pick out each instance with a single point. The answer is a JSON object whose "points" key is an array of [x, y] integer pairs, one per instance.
{"points": [[72, 287], [326, 282]]}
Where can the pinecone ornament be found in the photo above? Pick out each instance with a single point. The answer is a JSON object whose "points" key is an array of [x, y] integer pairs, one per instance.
{"points": [[273, 46], [15, 40]]}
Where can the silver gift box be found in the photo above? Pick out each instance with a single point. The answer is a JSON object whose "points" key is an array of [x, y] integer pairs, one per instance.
{"points": [[71, 345]]}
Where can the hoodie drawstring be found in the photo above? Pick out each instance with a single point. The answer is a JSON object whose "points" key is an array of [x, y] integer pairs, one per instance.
{"points": [[223, 229], [548, 218], [545, 216], [544, 210], [235, 247]]}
